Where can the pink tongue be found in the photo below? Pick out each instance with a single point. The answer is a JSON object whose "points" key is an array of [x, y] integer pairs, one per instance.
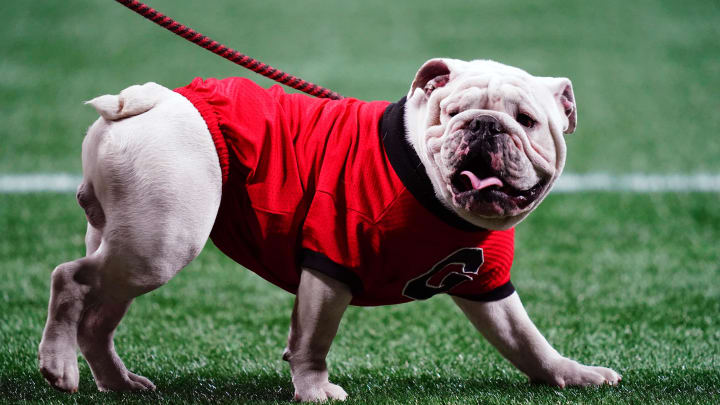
{"points": [[481, 184]]}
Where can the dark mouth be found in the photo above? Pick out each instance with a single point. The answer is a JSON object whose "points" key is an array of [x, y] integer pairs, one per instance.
{"points": [[488, 190]]}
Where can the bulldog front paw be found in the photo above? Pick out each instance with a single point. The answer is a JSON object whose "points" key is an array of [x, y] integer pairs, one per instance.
{"points": [[320, 393], [570, 373], [58, 364], [317, 389]]}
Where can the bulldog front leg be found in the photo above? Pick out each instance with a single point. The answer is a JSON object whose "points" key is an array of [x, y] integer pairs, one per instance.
{"points": [[507, 326], [319, 306]]}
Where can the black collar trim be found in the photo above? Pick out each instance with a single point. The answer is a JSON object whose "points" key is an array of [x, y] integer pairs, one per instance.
{"points": [[407, 165]]}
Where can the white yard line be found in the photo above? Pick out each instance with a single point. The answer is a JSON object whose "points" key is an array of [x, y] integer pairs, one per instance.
{"points": [[568, 183], [641, 183], [38, 183]]}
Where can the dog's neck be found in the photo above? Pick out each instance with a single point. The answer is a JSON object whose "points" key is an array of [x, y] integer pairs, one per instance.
{"points": [[409, 168]]}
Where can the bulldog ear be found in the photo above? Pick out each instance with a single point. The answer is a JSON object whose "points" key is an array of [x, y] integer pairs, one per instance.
{"points": [[562, 92], [432, 74]]}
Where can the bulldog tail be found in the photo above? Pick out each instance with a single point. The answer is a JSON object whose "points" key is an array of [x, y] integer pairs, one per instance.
{"points": [[134, 100]]}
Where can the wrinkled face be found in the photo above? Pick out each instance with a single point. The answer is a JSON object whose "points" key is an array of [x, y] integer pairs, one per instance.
{"points": [[491, 136]]}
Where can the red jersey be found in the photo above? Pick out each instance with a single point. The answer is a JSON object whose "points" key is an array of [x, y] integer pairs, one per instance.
{"points": [[334, 185]]}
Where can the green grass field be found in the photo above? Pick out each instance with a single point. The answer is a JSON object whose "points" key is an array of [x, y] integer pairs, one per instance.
{"points": [[625, 280]]}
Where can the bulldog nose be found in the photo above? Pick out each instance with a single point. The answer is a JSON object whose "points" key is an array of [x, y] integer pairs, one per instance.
{"points": [[485, 125]]}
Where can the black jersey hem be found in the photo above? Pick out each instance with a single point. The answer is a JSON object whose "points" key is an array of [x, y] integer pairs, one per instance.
{"points": [[319, 262], [496, 294], [407, 165]]}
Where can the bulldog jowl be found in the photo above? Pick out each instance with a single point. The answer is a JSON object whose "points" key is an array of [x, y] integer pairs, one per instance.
{"points": [[486, 160]]}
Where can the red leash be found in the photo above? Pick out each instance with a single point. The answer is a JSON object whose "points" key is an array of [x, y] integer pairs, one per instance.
{"points": [[228, 53]]}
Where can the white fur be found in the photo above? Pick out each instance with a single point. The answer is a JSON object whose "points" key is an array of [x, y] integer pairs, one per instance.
{"points": [[150, 167], [429, 125], [151, 190]]}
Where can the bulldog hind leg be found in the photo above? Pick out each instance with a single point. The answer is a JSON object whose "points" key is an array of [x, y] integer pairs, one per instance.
{"points": [[166, 182], [151, 193], [103, 309], [57, 354], [84, 312], [89, 297], [95, 338], [70, 284]]}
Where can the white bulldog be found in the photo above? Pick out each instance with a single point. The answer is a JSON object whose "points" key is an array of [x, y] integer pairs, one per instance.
{"points": [[490, 138]]}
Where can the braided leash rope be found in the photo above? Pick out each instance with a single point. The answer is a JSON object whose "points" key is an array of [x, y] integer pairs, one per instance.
{"points": [[227, 52]]}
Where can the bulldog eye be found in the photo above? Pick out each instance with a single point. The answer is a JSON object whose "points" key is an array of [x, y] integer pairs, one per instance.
{"points": [[453, 112], [525, 120]]}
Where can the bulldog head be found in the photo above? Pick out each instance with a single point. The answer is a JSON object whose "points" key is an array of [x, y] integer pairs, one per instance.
{"points": [[491, 136]]}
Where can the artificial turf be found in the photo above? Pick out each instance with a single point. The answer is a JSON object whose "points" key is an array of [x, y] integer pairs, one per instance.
{"points": [[628, 281], [633, 291]]}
